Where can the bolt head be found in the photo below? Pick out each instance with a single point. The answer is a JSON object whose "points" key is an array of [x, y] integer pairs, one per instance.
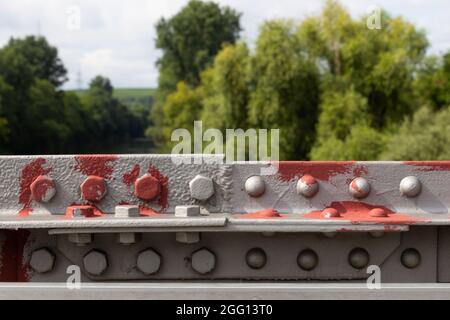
{"points": [[203, 261], [359, 188], [148, 261], [378, 212], [255, 186], [410, 258], [43, 189], [147, 187], [410, 186], [42, 260], [256, 258], [307, 259], [95, 262], [93, 188], [358, 258], [201, 187], [307, 186]]}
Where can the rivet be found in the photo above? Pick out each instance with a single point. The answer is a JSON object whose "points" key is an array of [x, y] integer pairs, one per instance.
{"points": [[307, 186], [146, 187], [307, 259], [410, 258], [43, 189], [358, 258], [256, 258], [255, 186], [93, 188], [410, 186], [359, 188]]}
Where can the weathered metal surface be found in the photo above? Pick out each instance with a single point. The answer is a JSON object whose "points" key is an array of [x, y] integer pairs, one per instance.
{"points": [[212, 220]]}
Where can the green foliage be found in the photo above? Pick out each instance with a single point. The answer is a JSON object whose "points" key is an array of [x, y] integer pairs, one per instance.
{"points": [[425, 136]]}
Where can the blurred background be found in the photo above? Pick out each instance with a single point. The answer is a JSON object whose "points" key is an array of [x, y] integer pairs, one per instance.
{"points": [[342, 80]]}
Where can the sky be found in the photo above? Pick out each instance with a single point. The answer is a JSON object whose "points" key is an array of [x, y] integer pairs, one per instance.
{"points": [[115, 38]]}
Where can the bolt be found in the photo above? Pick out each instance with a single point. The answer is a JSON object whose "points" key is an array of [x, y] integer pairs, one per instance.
{"points": [[256, 258], [187, 237], [126, 211], [187, 211], [330, 213], [202, 188], [330, 234], [307, 186], [307, 259], [95, 262], [376, 234], [359, 188], [43, 189], [255, 186], [147, 187], [127, 238], [410, 186], [378, 212], [358, 258], [93, 188], [410, 258], [80, 239], [148, 261], [203, 261], [42, 260]]}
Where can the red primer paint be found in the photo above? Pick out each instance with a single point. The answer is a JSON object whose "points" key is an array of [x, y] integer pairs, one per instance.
{"points": [[130, 177], [93, 188], [95, 165], [430, 165], [13, 266], [40, 186], [262, 214], [358, 212], [147, 211], [29, 173], [88, 211], [360, 171], [164, 187], [321, 170], [308, 179]]}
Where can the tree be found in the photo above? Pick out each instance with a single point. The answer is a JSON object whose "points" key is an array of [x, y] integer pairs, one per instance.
{"points": [[286, 92]]}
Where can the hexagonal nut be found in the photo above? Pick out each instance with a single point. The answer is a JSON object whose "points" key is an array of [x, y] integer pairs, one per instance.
{"points": [[42, 260], [95, 262], [43, 189], [93, 188], [203, 261], [148, 261], [147, 187], [201, 187]]}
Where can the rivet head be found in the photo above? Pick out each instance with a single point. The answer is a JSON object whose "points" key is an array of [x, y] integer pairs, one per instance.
{"points": [[256, 258], [93, 188], [148, 261], [410, 186], [410, 258], [203, 261], [255, 186], [359, 188], [330, 213], [43, 189], [95, 262], [307, 186], [307, 259], [201, 187], [358, 258], [147, 187], [378, 212], [42, 260]]}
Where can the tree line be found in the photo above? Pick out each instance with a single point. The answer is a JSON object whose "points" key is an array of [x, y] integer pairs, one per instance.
{"points": [[38, 117], [336, 89]]}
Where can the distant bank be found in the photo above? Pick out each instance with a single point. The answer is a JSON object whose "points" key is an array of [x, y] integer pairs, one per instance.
{"points": [[130, 96]]}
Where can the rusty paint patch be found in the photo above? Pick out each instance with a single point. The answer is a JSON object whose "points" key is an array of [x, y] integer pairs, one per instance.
{"points": [[428, 166], [358, 212], [88, 211], [147, 211], [321, 170], [262, 214], [28, 174], [164, 187], [95, 165], [130, 177], [13, 267]]}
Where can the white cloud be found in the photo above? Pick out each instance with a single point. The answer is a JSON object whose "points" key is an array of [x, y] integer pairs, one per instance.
{"points": [[116, 37]]}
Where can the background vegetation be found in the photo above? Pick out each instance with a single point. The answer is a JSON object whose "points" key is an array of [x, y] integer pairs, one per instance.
{"points": [[336, 89]]}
